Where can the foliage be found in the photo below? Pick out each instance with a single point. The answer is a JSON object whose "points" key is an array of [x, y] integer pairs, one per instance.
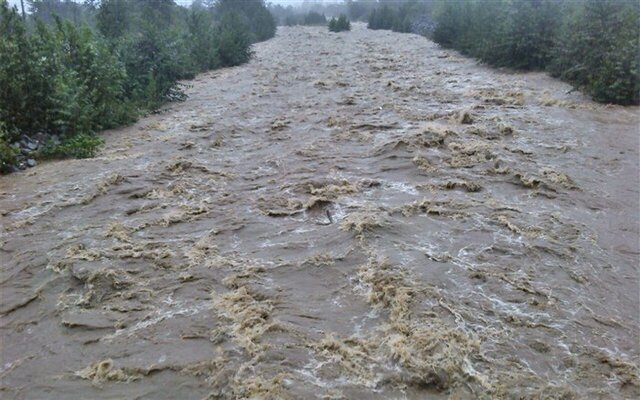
{"points": [[254, 16], [359, 9], [127, 56], [25, 93], [314, 18], [382, 18], [598, 50], [232, 40], [339, 25], [114, 18], [75, 11], [59, 79], [82, 145], [307, 13], [592, 44], [398, 16], [8, 152], [311, 18]]}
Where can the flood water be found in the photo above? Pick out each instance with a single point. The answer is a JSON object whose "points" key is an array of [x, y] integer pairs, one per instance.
{"points": [[359, 215]]}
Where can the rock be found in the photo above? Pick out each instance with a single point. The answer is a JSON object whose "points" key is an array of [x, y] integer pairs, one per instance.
{"points": [[32, 145], [41, 137], [31, 163]]}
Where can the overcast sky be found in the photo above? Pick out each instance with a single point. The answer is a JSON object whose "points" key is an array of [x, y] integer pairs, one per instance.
{"points": [[283, 2]]}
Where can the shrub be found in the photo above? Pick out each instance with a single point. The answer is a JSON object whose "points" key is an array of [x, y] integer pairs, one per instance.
{"points": [[593, 44], [399, 18], [340, 24], [200, 36], [402, 24], [26, 86], [232, 41], [8, 153], [314, 18], [311, 18], [382, 18], [59, 79], [82, 145], [598, 50], [66, 79], [254, 16], [114, 18]]}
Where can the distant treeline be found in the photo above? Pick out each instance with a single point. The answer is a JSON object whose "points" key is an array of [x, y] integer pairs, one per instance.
{"points": [[339, 24], [357, 10], [592, 44], [401, 16], [310, 18], [68, 70]]}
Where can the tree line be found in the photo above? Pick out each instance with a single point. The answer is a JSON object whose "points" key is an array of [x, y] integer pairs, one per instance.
{"points": [[592, 44], [68, 70]]}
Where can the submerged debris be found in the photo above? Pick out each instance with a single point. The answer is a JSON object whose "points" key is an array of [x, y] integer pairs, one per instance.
{"points": [[104, 371], [363, 222], [464, 117]]}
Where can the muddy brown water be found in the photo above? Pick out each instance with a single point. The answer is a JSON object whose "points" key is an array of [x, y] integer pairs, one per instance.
{"points": [[359, 215]]}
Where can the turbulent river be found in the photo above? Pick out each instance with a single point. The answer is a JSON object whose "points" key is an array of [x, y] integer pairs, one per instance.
{"points": [[349, 216]]}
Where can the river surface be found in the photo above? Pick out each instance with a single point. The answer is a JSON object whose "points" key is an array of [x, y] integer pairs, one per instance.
{"points": [[359, 215]]}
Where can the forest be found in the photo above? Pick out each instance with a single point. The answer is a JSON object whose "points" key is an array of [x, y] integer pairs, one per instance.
{"points": [[592, 44], [71, 69]]}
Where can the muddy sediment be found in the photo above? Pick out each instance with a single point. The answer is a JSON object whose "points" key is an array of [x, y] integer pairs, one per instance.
{"points": [[349, 216]]}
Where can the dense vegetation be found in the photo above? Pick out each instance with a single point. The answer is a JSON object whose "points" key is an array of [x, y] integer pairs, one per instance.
{"points": [[593, 44], [64, 79], [340, 24], [355, 10], [399, 16], [310, 18]]}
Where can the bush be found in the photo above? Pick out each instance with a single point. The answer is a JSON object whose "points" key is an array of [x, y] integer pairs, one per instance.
{"points": [[8, 152], [400, 18], [232, 41], [254, 16], [311, 18], [598, 50], [340, 24], [200, 36], [82, 145], [26, 86], [66, 79], [593, 44], [382, 18], [314, 18], [59, 79]]}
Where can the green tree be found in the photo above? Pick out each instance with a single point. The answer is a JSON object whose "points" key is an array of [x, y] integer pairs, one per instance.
{"points": [[232, 41], [339, 25], [599, 51]]}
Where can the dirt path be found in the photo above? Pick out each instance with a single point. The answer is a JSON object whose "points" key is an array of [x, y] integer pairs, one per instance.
{"points": [[357, 215]]}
